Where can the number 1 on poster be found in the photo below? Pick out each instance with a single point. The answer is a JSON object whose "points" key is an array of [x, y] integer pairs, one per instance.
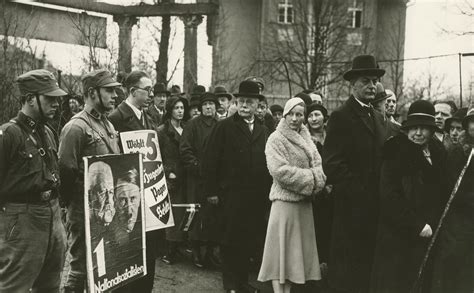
{"points": [[99, 251]]}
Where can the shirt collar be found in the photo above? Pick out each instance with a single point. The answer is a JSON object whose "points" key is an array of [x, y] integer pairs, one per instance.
{"points": [[93, 113], [27, 120], [362, 104], [137, 111], [158, 109]]}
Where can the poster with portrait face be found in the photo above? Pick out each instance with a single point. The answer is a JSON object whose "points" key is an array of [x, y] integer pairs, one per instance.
{"points": [[158, 212], [114, 221]]}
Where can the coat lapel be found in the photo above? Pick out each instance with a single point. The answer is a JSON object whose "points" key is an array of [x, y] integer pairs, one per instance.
{"points": [[130, 118], [242, 126], [357, 108]]}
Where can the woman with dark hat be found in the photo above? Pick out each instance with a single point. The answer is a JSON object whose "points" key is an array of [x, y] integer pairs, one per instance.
{"points": [[169, 137], [323, 204], [413, 190], [453, 263], [290, 254]]}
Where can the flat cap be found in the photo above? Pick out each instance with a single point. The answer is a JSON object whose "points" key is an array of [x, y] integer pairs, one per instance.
{"points": [[41, 82], [98, 78]]}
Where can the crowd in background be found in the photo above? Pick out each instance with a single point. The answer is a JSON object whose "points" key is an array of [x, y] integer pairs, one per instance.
{"points": [[347, 201]]}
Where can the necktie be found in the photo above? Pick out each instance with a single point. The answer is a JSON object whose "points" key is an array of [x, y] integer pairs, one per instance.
{"points": [[142, 119], [250, 124]]}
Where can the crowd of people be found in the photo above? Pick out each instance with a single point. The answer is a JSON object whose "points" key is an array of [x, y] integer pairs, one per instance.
{"points": [[348, 201]]}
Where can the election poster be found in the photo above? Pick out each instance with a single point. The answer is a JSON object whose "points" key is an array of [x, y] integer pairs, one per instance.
{"points": [[115, 230], [158, 211]]}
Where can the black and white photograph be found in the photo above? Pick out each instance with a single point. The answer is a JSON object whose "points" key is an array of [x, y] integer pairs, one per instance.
{"points": [[237, 146], [115, 232]]}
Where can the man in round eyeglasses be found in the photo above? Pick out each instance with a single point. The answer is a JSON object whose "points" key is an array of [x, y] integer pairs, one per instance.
{"points": [[130, 115]]}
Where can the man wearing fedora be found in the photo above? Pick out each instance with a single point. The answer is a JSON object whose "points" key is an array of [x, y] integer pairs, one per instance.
{"points": [[351, 161], [32, 242], [195, 101], [236, 179], [156, 110], [224, 98]]}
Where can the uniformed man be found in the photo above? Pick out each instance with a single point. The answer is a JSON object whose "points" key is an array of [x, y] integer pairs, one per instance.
{"points": [[32, 242], [88, 133]]}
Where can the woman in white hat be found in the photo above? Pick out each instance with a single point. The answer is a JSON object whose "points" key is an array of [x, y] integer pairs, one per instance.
{"points": [[290, 253]]}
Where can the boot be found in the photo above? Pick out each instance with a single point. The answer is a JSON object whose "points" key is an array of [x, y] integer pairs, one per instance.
{"points": [[197, 257]]}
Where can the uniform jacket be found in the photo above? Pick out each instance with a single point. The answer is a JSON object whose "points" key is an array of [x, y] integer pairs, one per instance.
{"points": [[412, 194], [294, 163], [23, 171], [234, 168], [351, 161], [88, 133]]}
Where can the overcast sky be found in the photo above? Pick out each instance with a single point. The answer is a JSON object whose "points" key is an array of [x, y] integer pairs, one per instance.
{"points": [[431, 30]]}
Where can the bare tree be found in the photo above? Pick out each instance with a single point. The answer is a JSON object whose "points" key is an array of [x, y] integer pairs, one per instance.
{"points": [[17, 56], [312, 47]]}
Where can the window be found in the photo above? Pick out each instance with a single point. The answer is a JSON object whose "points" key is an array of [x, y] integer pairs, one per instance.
{"points": [[355, 15], [285, 12]]}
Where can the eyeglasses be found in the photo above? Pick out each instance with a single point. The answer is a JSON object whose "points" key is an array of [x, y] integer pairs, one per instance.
{"points": [[148, 89]]}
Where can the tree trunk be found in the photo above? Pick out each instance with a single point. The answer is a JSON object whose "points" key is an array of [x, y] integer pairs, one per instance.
{"points": [[162, 62]]}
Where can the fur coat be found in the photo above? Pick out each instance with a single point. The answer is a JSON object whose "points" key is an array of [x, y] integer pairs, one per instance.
{"points": [[294, 164]]}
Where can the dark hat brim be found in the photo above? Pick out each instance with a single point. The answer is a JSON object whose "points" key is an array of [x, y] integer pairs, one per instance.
{"points": [[419, 121], [466, 120], [56, 93], [380, 98], [351, 74], [249, 95], [229, 96], [168, 93]]}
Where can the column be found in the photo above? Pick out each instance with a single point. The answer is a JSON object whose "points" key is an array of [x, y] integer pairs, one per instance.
{"points": [[191, 23], [125, 24]]}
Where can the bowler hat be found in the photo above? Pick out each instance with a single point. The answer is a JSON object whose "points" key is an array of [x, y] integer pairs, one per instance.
{"points": [[250, 89], [160, 88], [221, 91], [98, 78], [380, 93], [420, 113], [458, 116], [176, 91], [363, 65], [41, 82]]}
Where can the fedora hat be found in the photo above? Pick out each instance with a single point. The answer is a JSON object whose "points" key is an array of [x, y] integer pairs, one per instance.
{"points": [[198, 91], [248, 88], [363, 65], [380, 93], [458, 116], [420, 113], [160, 88], [221, 91], [208, 97], [468, 118]]}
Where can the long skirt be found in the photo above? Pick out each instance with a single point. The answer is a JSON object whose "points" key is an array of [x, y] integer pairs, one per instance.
{"points": [[290, 252]]}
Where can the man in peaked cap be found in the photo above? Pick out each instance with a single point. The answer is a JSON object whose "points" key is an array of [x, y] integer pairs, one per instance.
{"points": [[224, 98], [351, 160], [32, 245], [88, 133]]}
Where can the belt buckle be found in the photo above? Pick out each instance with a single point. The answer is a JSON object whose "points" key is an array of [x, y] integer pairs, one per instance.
{"points": [[46, 195], [42, 152]]}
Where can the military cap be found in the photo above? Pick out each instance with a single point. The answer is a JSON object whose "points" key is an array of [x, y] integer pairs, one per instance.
{"points": [[98, 78], [39, 81]]}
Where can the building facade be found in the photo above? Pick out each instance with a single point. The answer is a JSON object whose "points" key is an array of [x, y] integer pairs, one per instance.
{"points": [[306, 44]]}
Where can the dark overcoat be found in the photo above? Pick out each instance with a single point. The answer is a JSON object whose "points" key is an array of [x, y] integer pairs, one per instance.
{"points": [[351, 161], [235, 170], [156, 117], [191, 149], [169, 139], [453, 263], [412, 194], [124, 119]]}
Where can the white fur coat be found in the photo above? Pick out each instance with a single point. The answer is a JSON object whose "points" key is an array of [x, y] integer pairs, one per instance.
{"points": [[294, 163]]}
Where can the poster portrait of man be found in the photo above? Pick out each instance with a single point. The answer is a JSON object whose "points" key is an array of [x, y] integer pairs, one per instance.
{"points": [[115, 228]]}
